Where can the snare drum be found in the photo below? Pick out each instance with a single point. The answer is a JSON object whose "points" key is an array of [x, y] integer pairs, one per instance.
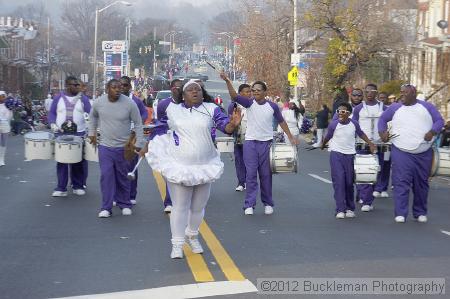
{"points": [[90, 151], [441, 161], [283, 158], [366, 169], [225, 144], [39, 146], [68, 149]]}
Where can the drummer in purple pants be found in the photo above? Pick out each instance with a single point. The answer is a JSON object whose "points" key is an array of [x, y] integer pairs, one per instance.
{"points": [[113, 113], [258, 140]]}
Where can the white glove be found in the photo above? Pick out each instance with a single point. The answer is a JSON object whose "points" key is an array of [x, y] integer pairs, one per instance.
{"points": [[54, 128]]}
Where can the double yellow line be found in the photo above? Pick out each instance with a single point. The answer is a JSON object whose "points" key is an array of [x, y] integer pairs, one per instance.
{"points": [[196, 262]]}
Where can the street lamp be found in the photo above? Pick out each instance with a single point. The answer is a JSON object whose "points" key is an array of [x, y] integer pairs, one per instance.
{"points": [[97, 11], [231, 36]]}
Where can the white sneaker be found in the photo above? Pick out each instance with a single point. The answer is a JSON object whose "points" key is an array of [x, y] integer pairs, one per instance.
{"points": [[114, 203], [376, 194], [194, 243], [340, 215], [59, 193], [240, 188], [104, 214], [349, 214], [79, 192], [384, 194], [400, 219], [422, 219], [248, 211], [177, 252], [360, 201], [268, 210], [168, 209], [366, 208], [133, 201], [126, 212]]}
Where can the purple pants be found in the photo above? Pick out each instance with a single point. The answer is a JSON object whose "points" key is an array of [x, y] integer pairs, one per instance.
{"points": [[77, 175], [239, 163], [167, 199], [365, 191], [384, 174], [342, 174], [133, 184], [411, 171], [257, 162], [113, 177]]}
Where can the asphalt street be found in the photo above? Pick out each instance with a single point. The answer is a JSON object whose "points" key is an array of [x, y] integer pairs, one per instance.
{"points": [[57, 247]]}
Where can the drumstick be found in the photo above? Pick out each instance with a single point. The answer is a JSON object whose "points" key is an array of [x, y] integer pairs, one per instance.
{"points": [[131, 176], [213, 67]]}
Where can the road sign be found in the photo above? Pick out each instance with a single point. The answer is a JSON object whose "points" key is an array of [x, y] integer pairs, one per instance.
{"points": [[164, 43], [293, 76], [114, 46]]}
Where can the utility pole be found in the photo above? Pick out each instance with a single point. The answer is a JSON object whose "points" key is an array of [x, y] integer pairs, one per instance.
{"points": [[49, 61], [154, 52], [295, 44]]}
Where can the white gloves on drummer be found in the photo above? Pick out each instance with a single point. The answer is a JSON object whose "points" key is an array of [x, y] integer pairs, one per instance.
{"points": [[54, 128]]}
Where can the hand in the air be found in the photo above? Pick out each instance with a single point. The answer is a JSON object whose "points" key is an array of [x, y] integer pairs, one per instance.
{"points": [[223, 76]]}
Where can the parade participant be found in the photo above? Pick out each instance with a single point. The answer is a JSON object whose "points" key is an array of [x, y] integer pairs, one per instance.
{"points": [[126, 87], [341, 134], [367, 114], [414, 123], [258, 140], [321, 124], [5, 127], [293, 118], [384, 98], [48, 103], [176, 98], [113, 113], [189, 161], [69, 107], [239, 134]]}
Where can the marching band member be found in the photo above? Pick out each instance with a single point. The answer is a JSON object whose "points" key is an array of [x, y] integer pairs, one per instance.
{"points": [[188, 160], [114, 113], [341, 134], [243, 90], [293, 118], [5, 126], [125, 82], [258, 140], [67, 108], [367, 114], [414, 124], [176, 97]]}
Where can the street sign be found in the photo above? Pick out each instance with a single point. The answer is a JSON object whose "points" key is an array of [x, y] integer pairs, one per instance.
{"points": [[114, 46], [164, 43], [84, 78], [293, 76], [295, 59]]}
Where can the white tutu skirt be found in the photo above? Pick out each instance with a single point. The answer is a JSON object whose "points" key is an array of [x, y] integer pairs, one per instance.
{"points": [[160, 159]]}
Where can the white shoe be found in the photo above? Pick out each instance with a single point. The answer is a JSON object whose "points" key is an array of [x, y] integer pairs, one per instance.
{"points": [[366, 208], [400, 219], [248, 211], [168, 209], [268, 210], [59, 193], [240, 188], [177, 252], [133, 201], [360, 201], [79, 192], [349, 214], [384, 194], [194, 243], [340, 215], [114, 203], [422, 219], [126, 212], [104, 214], [376, 194]]}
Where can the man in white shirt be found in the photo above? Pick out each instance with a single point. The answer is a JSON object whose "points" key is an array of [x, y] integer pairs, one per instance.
{"points": [[5, 127], [48, 103]]}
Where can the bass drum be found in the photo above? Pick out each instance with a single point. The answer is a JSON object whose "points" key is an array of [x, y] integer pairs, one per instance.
{"points": [[441, 161], [283, 158], [366, 169]]}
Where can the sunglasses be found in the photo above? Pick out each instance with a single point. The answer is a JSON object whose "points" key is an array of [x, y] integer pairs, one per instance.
{"points": [[371, 90], [342, 111], [357, 94]]}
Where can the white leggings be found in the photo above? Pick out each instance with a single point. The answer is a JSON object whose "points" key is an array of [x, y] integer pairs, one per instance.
{"points": [[188, 209]]}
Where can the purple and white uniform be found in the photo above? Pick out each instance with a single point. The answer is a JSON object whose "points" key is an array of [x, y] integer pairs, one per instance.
{"points": [[342, 138], [411, 154], [258, 140], [65, 108]]}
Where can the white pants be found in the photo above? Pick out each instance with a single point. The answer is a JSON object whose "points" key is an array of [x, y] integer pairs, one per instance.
{"points": [[320, 133], [188, 209]]}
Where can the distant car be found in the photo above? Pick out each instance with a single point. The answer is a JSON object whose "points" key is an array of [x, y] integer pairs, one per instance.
{"points": [[202, 77], [161, 95]]}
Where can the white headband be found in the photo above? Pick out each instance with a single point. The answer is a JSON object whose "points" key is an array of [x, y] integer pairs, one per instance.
{"points": [[190, 82]]}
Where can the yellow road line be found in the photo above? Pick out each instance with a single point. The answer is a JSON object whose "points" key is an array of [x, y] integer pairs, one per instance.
{"points": [[224, 260], [196, 262]]}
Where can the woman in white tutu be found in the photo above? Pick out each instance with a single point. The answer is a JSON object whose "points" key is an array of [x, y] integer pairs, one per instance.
{"points": [[188, 160]]}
